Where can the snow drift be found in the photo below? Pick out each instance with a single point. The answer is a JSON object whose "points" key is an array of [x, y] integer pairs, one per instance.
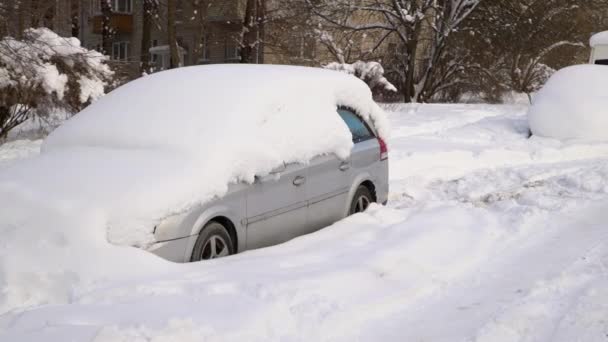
{"points": [[572, 105]]}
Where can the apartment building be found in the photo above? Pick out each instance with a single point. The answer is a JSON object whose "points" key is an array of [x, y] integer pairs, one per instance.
{"points": [[209, 33]]}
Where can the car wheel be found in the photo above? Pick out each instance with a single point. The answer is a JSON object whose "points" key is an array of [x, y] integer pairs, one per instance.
{"points": [[213, 242], [362, 199]]}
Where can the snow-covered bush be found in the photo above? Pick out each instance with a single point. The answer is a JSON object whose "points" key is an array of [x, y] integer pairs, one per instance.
{"points": [[572, 105], [371, 73], [44, 71]]}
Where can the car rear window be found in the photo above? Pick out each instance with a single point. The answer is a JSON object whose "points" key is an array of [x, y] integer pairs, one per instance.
{"points": [[357, 126], [602, 62]]}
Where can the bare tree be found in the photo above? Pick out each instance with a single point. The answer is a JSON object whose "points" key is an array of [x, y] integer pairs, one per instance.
{"points": [[107, 31], [149, 10], [516, 45], [420, 29], [252, 33], [172, 35]]}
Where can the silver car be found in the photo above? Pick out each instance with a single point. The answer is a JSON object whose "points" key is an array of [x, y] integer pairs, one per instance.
{"points": [[293, 200]]}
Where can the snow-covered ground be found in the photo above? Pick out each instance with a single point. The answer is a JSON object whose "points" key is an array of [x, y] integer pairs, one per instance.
{"points": [[488, 236]]}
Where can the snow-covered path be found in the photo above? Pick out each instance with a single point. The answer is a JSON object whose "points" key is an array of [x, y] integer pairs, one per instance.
{"points": [[489, 236]]}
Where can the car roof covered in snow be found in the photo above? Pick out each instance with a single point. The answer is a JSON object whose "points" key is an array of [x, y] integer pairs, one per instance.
{"points": [[182, 107]]}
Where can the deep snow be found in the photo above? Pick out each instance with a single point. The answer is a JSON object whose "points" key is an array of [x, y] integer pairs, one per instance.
{"points": [[196, 140], [572, 104], [488, 236]]}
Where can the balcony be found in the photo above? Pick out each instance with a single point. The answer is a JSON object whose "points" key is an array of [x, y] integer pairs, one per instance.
{"points": [[120, 22]]}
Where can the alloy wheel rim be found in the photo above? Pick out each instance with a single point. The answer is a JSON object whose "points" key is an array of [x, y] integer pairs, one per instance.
{"points": [[215, 247], [361, 204]]}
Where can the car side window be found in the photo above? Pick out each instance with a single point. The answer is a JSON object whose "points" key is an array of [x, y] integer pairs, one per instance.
{"points": [[356, 125]]}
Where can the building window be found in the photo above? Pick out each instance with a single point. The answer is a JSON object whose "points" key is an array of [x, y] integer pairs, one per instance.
{"points": [[205, 49], [96, 6], [232, 51], [118, 6], [161, 56], [120, 51], [122, 6]]}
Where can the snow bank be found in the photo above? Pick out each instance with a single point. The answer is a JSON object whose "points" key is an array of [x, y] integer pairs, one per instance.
{"points": [[599, 39], [572, 105], [492, 235]]}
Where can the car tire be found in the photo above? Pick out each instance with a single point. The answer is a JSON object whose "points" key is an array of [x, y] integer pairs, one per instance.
{"points": [[361, 200], [213, 242]]}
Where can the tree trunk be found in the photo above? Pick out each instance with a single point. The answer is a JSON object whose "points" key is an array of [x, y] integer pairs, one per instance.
{"points": [[201, 7], [261, 31], [146, 36], [25, 15], [248, 33], [107, 32], [171, 31], [75, 18]]}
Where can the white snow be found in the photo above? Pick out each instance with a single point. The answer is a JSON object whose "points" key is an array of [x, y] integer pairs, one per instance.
{"points": [[195, 139], [572, 105], [599, 39], [371, 72], [488, 236], [35, 64]]}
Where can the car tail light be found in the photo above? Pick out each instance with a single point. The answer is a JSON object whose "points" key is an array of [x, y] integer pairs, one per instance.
{"points": [[383, 149]]}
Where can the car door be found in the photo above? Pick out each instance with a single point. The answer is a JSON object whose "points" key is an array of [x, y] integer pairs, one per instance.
{"points": [[328, 186], [330, 178], [277, 207]]}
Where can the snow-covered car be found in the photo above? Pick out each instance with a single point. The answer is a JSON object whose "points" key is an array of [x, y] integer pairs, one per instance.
{"points": [[202, 162], [572, 105], [292, 200], [599, 48]]}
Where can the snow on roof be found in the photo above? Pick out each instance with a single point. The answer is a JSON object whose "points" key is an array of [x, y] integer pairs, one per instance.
{"points": [[572, 105], [599, 39], [166, 142]]}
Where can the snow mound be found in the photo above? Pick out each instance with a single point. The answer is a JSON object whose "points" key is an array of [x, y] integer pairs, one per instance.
{"points": [[599, 39], [572, 105], [176, 139], [278, 108]]}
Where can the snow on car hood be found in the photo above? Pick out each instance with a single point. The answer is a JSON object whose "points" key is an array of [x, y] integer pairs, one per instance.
{"points": [[166, 142]]}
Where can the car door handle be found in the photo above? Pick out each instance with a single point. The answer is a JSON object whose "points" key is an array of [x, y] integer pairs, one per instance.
{"points": [[344, 166], [299, 180]]}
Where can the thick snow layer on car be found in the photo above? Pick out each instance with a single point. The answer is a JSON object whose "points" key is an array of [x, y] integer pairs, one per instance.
{"points": [[572, 105], [599, 39], [166, 142], [488, 236]]}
